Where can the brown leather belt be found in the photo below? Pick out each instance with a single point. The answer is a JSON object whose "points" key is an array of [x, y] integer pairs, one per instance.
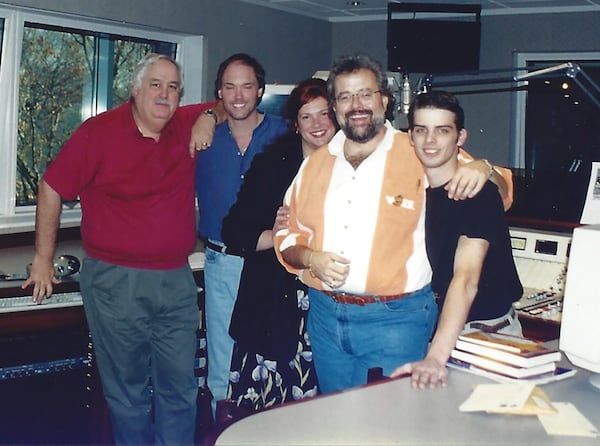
{"points": [[363, 299]]}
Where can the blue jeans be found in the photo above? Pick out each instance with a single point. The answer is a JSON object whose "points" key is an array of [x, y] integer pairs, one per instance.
{"points": [[221, 280], [143, 325], [347, 340]]}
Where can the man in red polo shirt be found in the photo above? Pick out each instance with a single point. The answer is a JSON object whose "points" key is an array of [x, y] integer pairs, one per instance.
{"points": [[132, 170]]}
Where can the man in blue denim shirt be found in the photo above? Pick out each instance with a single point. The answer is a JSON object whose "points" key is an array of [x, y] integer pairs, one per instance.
{"points": [[220, 172]]}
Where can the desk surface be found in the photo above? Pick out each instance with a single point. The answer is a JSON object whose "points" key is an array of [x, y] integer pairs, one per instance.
{"points": [[393, 413]]}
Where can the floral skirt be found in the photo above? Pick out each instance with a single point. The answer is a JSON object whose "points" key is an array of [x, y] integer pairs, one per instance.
{"points": [[256, 382]]}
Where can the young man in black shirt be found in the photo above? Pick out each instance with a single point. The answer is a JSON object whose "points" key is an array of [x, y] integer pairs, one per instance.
{"points": [[468, 242]]}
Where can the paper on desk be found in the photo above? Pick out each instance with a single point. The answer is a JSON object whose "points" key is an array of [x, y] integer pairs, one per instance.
{"points": [[568, 421], [591, 208], [516, 399], [538, 403]]}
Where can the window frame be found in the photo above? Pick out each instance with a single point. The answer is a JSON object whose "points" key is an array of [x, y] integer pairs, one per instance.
{"points": [[189, 53]]}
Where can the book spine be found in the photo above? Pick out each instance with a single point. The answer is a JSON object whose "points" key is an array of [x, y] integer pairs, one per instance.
{"points": [[507, 357], [558, 374], [490, 364], [491, 344]]}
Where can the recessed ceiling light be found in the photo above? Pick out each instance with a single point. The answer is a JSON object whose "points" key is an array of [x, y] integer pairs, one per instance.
{"points": [[355, 4]]}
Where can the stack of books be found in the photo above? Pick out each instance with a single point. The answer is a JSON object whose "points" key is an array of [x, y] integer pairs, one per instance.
{"points": [[506, 358]]}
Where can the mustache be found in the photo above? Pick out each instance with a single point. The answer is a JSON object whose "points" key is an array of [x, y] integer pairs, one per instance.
{"points": [[358, 112], [163, 101]]}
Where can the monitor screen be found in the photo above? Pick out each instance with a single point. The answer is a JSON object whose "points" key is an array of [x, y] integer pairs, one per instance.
{"points": [[274, 98], [433, 46], [579, 330]]}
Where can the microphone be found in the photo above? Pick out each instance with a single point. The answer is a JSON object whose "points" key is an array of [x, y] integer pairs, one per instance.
{"points": [[406, 94], [66, 265]]}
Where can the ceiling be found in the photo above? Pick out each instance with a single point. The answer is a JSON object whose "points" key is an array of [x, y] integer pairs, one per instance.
{"points": [[363, 10]]}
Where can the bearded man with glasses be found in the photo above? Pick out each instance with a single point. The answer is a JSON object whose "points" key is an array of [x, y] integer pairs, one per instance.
{"points": [[356, 234]]}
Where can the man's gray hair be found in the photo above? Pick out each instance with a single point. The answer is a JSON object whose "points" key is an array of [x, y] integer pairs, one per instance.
{"points": [[350, 64], [148, 60]]}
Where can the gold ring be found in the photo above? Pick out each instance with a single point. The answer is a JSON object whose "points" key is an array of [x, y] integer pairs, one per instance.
{"points": [[204, 144]]}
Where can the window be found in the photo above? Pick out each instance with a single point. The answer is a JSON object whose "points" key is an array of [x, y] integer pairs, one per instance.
{"points": [[65, 77], [553, 94], [56, 72], [556, 134]]}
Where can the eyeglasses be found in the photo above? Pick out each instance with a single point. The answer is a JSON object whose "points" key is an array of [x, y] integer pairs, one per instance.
{"points": [[365, 96]]}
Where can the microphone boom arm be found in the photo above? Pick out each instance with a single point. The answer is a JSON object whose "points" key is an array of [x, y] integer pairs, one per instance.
{"points": [[571, 69]]}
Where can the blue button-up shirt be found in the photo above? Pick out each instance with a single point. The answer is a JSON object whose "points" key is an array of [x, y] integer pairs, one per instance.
{"points": [[221, 168]]}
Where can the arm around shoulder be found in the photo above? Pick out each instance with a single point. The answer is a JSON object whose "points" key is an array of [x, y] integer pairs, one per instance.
{"points": [[500, 176], [203, 130]]}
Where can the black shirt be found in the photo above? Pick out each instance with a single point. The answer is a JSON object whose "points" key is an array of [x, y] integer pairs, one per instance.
{"points": [[479, 217]]}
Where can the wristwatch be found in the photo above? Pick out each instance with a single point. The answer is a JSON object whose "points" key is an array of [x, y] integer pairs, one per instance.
{"points": [[210, 112]]}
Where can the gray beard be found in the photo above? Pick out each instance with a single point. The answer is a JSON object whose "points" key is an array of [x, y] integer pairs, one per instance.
{"points": [[371, 131]]}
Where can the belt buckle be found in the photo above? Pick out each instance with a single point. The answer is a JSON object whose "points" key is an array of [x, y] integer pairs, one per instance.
{"points": [[360, 301], [343, 298]]}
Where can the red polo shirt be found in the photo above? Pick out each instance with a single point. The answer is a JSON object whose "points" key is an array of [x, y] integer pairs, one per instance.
{"points": [[137, 195]]}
